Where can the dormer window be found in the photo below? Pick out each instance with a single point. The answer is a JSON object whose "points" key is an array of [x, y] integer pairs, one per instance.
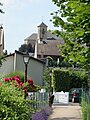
{"points": [[43, 33]]}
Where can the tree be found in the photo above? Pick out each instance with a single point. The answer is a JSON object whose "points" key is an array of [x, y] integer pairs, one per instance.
{"points": [[1, 11], [73, 16], [27, 48]]}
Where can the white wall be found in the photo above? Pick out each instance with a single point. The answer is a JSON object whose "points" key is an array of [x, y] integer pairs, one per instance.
{"points": [[35, 69], [7, 65], [15, 63]]}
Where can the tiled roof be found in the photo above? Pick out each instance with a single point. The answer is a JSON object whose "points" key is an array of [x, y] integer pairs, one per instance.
{"points": [[32, 37], [49, 36], [42, 25], [50, 48]]}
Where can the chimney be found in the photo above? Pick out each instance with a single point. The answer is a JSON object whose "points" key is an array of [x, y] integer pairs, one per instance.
{"points": [[36, 47], [1, 40]]}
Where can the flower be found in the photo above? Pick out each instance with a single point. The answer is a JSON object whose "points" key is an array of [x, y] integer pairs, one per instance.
{"points": [[26, 87], [17, 79], [26, 91], [6, 79], [30, 81]]}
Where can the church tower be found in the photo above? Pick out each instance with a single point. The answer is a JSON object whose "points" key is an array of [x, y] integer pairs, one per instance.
{"points": [[42, 32], [1, 40], [41, 36]]}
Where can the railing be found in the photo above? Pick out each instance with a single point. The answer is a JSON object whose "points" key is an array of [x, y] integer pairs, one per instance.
{"points": [[38, 100]]}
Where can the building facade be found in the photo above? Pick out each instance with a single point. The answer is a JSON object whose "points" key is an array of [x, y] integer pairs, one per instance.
{"points": [[14, 62]]}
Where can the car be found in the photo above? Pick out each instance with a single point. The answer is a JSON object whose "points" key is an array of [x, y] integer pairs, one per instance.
{"points": [[75, 95]]}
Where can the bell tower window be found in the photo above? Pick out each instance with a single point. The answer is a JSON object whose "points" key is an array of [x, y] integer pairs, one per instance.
{"points": [[43, 33]]}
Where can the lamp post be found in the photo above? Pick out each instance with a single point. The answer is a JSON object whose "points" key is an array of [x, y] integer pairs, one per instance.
{"points": [[26, 59], [50, 80], [50, 89]]}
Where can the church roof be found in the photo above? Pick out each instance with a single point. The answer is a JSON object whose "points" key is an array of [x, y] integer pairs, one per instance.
{"points": [[32, 37], [50, 36], [50, 47], [42, 25]]}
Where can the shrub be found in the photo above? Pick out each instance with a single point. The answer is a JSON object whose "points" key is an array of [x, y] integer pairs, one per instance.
{"points": [[13, 106], [65, 79], [61, 80], [28, 86], [16, 73], [85, 109]]}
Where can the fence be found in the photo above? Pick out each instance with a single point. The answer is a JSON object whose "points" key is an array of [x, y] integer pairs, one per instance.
{"points": [[38, 100]]}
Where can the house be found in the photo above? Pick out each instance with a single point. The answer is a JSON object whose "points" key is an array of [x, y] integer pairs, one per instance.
{"points": [[14, 62], [44, 43], [1, 40]]}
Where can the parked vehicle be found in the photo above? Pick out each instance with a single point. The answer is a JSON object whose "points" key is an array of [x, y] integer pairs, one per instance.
{"points": [[75, 94]]}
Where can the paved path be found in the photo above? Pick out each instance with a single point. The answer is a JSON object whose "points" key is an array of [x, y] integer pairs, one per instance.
{"points": [[66, 112]]}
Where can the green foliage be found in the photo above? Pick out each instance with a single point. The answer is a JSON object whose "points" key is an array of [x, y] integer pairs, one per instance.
{"points": [[46, 78], [61, 80], [31, 87], [50, 61], [85, 110], [73, 16], [13, 106], [65, 79], [1, 60], [19, 73], [78, 77], [1, 11]]}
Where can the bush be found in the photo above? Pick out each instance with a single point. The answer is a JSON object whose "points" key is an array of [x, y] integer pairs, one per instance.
{"points": [[85, 110], [65, 79], [13, 106], [61, 80], [16, 73]]}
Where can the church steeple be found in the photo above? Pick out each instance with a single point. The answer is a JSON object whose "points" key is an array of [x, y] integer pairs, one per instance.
{"points": [[42, 32]]}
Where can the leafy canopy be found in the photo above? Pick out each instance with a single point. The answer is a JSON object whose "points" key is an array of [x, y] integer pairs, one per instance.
{"points": [[1, 11], [73, 16]]}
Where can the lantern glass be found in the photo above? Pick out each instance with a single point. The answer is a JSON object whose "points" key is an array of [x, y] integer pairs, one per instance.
{"points": [[26, 59]]}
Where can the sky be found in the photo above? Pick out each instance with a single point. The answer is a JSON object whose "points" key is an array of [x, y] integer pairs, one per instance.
{"points": [[21, 19]]}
